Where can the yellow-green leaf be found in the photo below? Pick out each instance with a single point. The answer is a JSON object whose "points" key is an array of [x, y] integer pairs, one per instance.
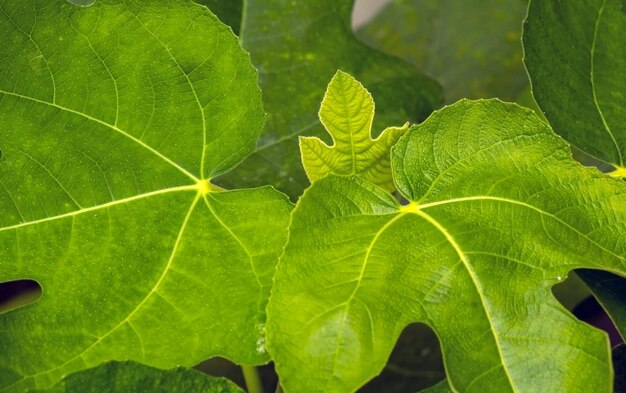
{"points": [[114, 118], [347, 113]]}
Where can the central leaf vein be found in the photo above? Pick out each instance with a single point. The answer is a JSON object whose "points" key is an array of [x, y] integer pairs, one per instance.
{"points": [[100, 207], [477, 285], [152, 291], [108, 125]]}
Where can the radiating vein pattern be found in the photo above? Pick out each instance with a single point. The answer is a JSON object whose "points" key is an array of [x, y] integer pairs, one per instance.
{"points": [[498, 213], [113, 120]]}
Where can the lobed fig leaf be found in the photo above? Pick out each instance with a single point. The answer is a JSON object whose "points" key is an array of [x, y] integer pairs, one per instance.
{"points": [[114, 118], [498, 213], [347, 113]]}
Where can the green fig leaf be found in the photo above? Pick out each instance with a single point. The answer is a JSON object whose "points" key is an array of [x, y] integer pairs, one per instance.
{"points": [[498, 213], [610, 291], [113, 120], [347, 113], [297, 46], [575, 55], [124, 377]]}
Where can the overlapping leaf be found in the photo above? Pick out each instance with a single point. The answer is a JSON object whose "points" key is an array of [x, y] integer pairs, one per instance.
{"points": [[229, 11], [127, 377], [499, 212], [575, 55], [113, 120], [472, 49], [610, 290], [347, 113], [297, 46]]}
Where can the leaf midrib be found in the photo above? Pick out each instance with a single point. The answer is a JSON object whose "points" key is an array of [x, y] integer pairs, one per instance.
{"points": [[477, 285], [593, 84], [108, 125], [417, 209]]}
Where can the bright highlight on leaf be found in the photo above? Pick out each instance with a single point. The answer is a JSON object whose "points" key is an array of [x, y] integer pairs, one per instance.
{"points": [[125, 377], [113, 120], [347, 113], [498, 213]]}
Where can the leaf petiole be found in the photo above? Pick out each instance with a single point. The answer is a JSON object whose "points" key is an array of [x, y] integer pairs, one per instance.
{"points": [[252, 378]]}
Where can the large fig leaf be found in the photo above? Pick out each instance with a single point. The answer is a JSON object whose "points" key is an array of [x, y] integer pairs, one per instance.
{"points": [[347, 113], [113, 120], [498, 213], [575, 54], [473, 49], [297, 46], [124, 377]]}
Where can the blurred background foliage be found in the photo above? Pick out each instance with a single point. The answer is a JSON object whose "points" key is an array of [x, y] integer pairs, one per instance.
{"points": [[473, 50]]}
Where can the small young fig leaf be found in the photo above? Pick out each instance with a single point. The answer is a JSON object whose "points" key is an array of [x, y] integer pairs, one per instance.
{"points": [[575, 54], [124, 377], [114, 118], [498, 213], [297, 46], [347, 113]]}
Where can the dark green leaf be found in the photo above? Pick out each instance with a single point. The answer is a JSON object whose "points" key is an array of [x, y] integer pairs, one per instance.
{"points": [[133, 377], [415, 363], [575, 53], [473, 49], [441, 387], [610, 291], [229, 11]]}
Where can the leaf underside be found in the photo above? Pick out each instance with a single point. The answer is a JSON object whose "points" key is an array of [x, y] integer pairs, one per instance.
{"points": [[499, 213], [113, 120]]}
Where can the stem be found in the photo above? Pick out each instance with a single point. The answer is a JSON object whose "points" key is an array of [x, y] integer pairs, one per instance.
{"points": [[252, 378]]}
